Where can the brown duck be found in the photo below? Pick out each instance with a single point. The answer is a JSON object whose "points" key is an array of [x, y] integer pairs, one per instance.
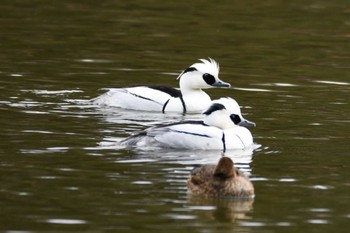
{"points": [[222, 180]]}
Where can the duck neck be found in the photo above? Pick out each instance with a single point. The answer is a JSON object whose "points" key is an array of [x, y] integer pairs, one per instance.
{"points": [[188, 91], [190, 85]]}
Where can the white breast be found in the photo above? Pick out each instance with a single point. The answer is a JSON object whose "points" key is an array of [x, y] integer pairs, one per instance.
{"points": [[238, 138], [195, 102]]}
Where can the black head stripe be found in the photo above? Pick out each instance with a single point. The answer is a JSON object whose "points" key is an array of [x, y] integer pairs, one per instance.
{"points": [[209, 79], [189, 69], [213, 108], [235, 118]]}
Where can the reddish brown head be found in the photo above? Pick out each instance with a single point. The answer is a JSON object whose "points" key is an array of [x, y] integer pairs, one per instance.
{"points": [[224, 169]]}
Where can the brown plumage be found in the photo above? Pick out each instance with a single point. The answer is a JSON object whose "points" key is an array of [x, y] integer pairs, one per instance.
{"points": [[222, 180]]}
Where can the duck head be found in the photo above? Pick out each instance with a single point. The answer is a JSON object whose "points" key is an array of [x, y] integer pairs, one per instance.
{"points": [[225, 113], [225, 169], [201, 75]]}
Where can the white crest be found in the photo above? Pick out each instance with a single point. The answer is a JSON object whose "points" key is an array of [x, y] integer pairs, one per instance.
{"points": [[209, 66]]}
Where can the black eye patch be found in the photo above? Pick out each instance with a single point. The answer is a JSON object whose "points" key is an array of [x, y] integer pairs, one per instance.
{"points": [[209, 79], [213, 108], [235, 118]]}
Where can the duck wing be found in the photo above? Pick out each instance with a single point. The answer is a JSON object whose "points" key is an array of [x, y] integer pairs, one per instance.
{"points": [[188, 135], [169, 90], [145, 98]]}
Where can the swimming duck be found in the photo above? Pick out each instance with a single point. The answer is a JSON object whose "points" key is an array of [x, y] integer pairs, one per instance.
{"points": [[221, 180], [221, 129], [190, 98]]}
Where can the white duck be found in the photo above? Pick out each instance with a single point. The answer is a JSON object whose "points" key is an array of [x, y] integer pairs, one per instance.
{"points": [[221, 129], [188, 99]]}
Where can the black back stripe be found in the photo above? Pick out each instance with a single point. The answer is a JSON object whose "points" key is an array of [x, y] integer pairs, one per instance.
{"points": [[190, 133], [182, 102], [191, 122], [166, 103], [168, 90], [223, 142], [183, 105], [173, 93], [145, 98]]}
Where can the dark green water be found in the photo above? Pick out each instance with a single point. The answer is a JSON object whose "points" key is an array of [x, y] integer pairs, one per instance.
{"points": [[289, 64]]}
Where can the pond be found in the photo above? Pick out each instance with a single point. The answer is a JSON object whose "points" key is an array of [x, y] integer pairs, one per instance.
{"points": [[62, 168]]}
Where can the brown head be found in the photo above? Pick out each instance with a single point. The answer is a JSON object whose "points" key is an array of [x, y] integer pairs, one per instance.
{"points": [[225, 169]]}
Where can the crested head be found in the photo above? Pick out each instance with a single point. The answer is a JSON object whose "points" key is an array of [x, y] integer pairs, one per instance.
{"points": [[209, 66], [219, 113], [230, 104], [204, 74], [225, 113]]}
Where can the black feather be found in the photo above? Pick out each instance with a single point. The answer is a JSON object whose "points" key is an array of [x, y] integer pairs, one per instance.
{"points": [[169, 90], [213, 108]]}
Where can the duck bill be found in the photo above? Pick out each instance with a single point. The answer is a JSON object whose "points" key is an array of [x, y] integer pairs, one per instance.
{"points": [[220, 83], [246, 123]]}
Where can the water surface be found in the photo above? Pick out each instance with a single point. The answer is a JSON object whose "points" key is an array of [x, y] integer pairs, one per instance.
{"points": [[61, 168]]}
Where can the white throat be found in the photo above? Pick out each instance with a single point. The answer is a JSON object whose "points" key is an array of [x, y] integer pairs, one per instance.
{"points": [[192, 82]]}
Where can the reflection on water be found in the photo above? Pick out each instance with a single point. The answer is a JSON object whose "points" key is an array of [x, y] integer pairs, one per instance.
{"points": [[222, 210], [66, 221], [332, 82]]}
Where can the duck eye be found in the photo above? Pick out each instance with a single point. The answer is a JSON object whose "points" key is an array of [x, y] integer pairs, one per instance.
{"points": [[209, 79], [235, 118]]}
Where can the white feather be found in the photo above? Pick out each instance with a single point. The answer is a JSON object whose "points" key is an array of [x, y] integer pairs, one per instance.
{"points": [[199, 135]]}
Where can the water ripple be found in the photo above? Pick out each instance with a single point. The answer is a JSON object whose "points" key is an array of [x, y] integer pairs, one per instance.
{"points": [[252, 89], [90, 60], [332, 82], [278, 84], [51, 92], [318, 221], [65, 221]]}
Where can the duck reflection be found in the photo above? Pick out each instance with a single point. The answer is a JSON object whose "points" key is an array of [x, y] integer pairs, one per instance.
{"points": [[221, 209], [188, 158]]}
